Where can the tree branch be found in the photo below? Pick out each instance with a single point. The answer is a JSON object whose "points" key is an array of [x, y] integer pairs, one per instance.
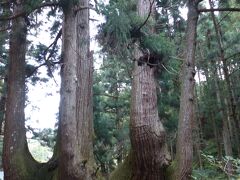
{"points": [[37, 67], [53, 45], [107, 95], [233, 55], [149, 15], [219, 9], [24, 13], [79, 8]]}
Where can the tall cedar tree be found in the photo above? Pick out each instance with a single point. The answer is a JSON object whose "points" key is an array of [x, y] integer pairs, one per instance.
{"points": [[17, 160], [186, 114], [147, 134], [76, 127]]}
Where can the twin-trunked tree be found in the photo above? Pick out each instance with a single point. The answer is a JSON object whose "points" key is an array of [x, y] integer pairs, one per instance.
{"points": [[73, 158], [149, 157]]}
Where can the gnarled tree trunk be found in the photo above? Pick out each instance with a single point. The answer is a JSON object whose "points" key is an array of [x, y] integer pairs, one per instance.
{"points": [[148, 137]]}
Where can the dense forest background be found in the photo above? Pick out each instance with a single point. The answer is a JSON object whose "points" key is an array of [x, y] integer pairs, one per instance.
{"points": [[158, 99]]}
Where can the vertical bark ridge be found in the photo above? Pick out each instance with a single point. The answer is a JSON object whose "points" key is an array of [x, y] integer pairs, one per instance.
{"points": [[68, 134], [147, 132], [184, 138], [84, 91], [18, 163], [76, 158], [150, 154]]}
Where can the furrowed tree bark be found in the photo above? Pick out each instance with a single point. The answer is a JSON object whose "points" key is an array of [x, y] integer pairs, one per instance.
{"points": [[147, 134], [76, 127], [184, 154], [84, 90], [18, 163]]}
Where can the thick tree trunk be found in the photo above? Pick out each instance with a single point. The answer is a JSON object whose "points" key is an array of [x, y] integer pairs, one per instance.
{"points": [[84, 90], [184, 138], [147, 132], [18, 162], [148, 137], [76, 127]]}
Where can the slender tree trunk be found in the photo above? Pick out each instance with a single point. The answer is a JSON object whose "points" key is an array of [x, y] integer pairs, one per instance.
{"points": [[76, 127], [148, 138], [223, 115], [18, 163], [184, 138], [212, 88], [198, 128], [216, 135]]}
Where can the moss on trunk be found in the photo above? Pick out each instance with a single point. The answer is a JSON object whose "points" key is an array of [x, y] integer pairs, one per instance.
{"points": [[124, 170]]}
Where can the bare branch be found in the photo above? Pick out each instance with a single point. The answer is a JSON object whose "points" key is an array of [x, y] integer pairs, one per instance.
{"points": [[79, 8], [37, 67], [219, 9], [149, 15], [47, 59], [198, 1], [107, 95], [24, 13], [233, 55], [53, 45]]}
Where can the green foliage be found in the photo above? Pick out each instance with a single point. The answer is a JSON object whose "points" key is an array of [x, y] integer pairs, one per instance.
{"points": [[30, 5], [168, 96], [111, 114], [46, 137], [118, 37], [39, 152], [124, 170], [115, 33], [158, 44], [216, 169]]}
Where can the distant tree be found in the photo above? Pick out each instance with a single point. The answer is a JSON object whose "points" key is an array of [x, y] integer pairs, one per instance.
{"points": [[111, 113]]}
